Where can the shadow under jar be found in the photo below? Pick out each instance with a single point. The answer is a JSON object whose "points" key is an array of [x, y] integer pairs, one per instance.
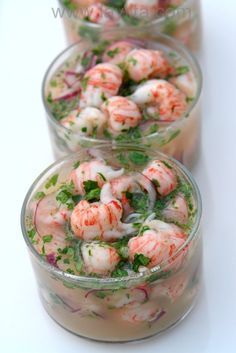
{"points": [[97, 287], [125, 90], [92, 19]]}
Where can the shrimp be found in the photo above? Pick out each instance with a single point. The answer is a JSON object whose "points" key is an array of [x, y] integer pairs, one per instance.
{"points": [[103, 15], [100, 220], [117, 52], [100, 83], [142, 9], [162, 99], [99, 258], [162, 175], [172, 288], [121, 298], [187, 83], [158, 243], [177, 210], [85, 122], [50, 218], [95, 170], [136, 313], [121, 114], [144, 63]]}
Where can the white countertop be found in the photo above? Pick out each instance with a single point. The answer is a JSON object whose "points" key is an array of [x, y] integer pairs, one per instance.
{"points": [[30, 38]]}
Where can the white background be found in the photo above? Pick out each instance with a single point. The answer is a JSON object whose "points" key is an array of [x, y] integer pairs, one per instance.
{"points": [[29, 39]]}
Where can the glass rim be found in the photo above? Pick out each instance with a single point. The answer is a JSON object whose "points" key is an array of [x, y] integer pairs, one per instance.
{"points": [[190, 58], [76, 279], [155, 21]]}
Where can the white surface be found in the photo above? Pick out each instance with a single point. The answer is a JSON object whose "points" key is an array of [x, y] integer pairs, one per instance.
{"points": [[30, 38]]}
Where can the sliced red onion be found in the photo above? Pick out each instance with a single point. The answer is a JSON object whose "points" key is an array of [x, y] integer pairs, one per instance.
{"points": [[144, 291], [51, 259], [133, 218], [68, 94], [92, 291], [72, 78], [137, 42], [159, 316]]}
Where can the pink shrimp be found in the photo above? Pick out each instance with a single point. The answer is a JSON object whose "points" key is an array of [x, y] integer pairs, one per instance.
{"points": [[85, 121], [172, 288], [103, 15], [121, 298], [162, 175], [50, 218], [187, 83], [99, 258], [144, 63], [100, 220], [117, 52], [95, 170], [159, 243], [177, 210], [161, 99], [100, 83], [143, 9], [121, 113], [136, 313]]}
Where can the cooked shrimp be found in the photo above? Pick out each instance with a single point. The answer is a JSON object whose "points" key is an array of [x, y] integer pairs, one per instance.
{"points": [[177, 210], [100, 83], [144, 63], [136, 313], [100, 220], [128, 296], [173, 288], [162, 176], [117, 52], [159, 243], [143, 9], [103, 15], [121, 114], [99, 258], [186, 83], [95, 170], [86, 121], [166, 101]]}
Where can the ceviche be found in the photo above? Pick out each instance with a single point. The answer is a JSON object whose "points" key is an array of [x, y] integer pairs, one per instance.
{"points": [[125, 91], [114, 239], [92, 19]]}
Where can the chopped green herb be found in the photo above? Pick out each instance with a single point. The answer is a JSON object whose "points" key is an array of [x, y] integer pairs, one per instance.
{"points": [[31, 234], [113, 53], [100, 48], [140, 260], [84, 129], [76, 165], [167, 164], [40, 195], [92, 190], [84, 83], [47, 238], [138, 158], [69, 270], [181, 70], [66, 261], [52, 181], [119, 273], [53, 83], [69, 5], [88, 33], [139, 201], [170, 26], [85, 61]]}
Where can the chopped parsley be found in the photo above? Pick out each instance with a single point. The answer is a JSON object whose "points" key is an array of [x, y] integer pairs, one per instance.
{"points": [[138, 158], [84, 83], [40, 195], [31, 234], [113, 53], [92, 190], [47, 238], [181, 70], [140, 260], [52, 181], [138, 200]]}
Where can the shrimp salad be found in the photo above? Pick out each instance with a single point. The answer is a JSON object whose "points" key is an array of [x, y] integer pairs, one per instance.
{"points": [[122, 217], [127, 91], [110, 13], [92, 19]]}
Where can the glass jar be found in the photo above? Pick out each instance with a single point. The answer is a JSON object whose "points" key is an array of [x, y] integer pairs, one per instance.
{"points": [[124, 308], [179, 139], [182, 22]]}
